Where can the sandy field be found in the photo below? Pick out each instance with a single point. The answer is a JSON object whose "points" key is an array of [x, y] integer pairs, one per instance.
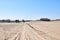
{"points": [[37, 30]]}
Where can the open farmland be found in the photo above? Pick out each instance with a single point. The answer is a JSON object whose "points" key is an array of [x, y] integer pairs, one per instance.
{"points": [[37, 30]]}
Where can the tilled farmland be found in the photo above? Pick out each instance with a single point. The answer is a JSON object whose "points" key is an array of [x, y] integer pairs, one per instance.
{"points": [[37, 30]]}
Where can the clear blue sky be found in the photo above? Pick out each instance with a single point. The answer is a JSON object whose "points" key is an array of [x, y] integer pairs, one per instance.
{"points": [[29, 9]]}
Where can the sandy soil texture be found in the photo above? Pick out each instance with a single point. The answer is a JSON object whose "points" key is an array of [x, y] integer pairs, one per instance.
{"points": [[37, 30]]}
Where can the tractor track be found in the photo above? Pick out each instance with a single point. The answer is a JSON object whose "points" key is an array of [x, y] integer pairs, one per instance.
{"points": [[45, 36], [25, 31]]}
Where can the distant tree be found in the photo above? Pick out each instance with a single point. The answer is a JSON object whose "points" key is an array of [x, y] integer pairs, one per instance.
{"points": [[23, 20], [8, 20], [45, 19], [2, 20], [17, 21]]}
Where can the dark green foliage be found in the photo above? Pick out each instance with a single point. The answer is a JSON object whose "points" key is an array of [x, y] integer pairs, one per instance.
{"points": [[17, 21], [45, 19], [23, 20], [5, 20], [2, 20]]}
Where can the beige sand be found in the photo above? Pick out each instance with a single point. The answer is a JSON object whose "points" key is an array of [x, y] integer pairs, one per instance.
{"points": [[37, 30]]}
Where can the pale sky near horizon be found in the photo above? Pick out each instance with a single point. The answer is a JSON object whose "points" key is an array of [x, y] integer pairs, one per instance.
{"points": [[29, 9]]}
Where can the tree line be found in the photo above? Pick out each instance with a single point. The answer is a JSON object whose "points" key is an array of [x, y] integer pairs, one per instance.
{"points": [[8, 20], [41, 19]]}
